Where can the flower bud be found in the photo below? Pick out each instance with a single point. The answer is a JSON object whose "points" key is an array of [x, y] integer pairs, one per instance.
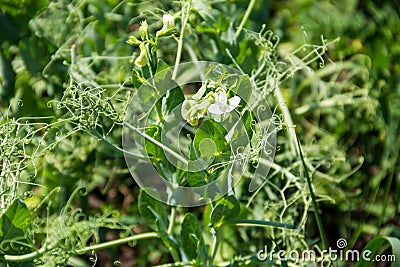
{"points": [[168, 26], [141, 60], [133, 40], [143, 29], [168, 21]]}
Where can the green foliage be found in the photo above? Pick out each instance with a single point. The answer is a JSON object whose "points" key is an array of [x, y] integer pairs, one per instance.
{"points": [[208, 144], [15, 224], [21, 11], [7, 78], [226, 209], [364, 130], [68, 70], [152, 211], [192, 240], [374, 246]]}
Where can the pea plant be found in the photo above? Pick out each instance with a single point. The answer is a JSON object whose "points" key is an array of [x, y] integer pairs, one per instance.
{"points": [[186, 114]]}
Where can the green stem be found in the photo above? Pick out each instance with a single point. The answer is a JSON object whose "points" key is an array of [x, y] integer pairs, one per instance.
{"points": [[25, 257], [154, 141], [245, 17], [261, 223], [342, 100], [116, 148], [288, 119], [42, 250], [116, 242], [175, 254], [171, 221], [215, 246], [176, 264], [391, 173], [185, 16], [313, 200], [77, 262], [159, 111], [2, 180]]}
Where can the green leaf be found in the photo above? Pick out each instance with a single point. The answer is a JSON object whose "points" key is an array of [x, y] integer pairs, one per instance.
{"points": [[174, 97], [215, 73], [156, 153], [192, 239], [167, 86], [202, 8], [35, 52], [15, 223], [210, 145], [207, 149], [21, 11], [152, 149], [248, 119], [216, 133], [155, 216], [227, 208], [8, 30], [149, 207], [137, 79], [161, 65], [206, 28], [7, 78], [168, 240], [153, 59], [374, 245], [243, 88]]}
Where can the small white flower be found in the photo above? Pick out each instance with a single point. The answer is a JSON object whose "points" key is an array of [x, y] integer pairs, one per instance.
{"points": [[186, 106], [168, 21], [222, 105], [193, 110], [200, 93], [143, 29], [141, 60], [216, 104], [168, 27]]}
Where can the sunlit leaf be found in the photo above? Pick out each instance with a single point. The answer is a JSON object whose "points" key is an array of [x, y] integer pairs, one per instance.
{"points": [[149, 207], [227, 208], [14, 226], [192, 238]]}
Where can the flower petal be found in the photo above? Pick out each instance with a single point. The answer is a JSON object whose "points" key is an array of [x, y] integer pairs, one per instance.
{"points": [[216, 108], [186, 106], [221, 97], [168, 21], [200, 93], [234, 101]]}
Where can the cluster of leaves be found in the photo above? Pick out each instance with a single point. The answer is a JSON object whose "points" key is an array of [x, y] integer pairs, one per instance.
{"points": [[366, 123], [74, 54]]}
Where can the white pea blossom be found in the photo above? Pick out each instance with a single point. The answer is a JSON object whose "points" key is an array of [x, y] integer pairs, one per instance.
{"points": [[168, 27], [141, 60], [143, 29], [168, 21], [193, 110], [215, 104], [222, 104]]}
